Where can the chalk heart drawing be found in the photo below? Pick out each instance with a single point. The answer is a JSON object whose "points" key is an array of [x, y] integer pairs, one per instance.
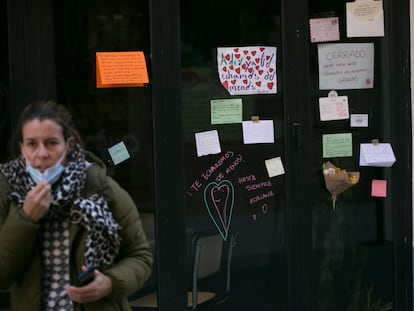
{"points": [[219, 201]]}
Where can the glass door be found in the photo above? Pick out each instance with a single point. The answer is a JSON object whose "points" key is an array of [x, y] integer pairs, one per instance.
{"points": [[235, 186], [354, 203]]}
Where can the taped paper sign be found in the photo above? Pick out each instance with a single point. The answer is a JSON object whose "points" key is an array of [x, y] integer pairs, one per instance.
{"points": [[120, 69], [346, 66], [247, 70], [364, 19]]}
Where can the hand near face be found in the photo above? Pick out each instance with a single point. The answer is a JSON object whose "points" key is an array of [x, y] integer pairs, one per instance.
{"points": [[37, 201]]}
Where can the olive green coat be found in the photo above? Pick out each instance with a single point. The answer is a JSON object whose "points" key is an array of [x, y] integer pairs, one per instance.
{"points": [[20, 250]]}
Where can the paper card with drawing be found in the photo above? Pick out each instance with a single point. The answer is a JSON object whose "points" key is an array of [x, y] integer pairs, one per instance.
{"points": [[247, 70], [364, 18]]}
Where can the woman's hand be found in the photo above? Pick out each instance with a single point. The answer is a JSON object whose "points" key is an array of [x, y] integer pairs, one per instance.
{"points": [[100, 287], [37, 201]]}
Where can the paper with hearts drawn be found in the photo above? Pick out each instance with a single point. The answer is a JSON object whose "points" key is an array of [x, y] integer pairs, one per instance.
{"points": [[219, 201], [247, 70]]}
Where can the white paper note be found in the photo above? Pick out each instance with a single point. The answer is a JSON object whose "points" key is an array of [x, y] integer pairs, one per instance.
{"points": [[259, 132], [207, 143], [378, 155]]}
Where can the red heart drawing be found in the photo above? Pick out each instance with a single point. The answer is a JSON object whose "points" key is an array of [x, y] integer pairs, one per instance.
{"points": [[258, 83], [227, 57], [226, 85], [270, 85]]}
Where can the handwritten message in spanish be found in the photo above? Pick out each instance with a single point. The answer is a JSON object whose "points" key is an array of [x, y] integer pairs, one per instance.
{"points": [[247, 70], [346, 66]]}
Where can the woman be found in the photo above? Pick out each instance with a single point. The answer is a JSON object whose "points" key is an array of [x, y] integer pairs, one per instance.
{"points": [[60, 214]]}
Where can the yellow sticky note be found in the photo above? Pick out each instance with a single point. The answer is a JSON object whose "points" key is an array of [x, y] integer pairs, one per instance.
{"points": [[274, 167]]}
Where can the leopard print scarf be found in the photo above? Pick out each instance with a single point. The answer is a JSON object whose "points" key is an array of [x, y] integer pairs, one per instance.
{"points": [[93, 213]]}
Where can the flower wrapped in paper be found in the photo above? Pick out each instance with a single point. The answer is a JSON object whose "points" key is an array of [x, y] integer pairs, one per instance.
{"points": [[338, 180]]}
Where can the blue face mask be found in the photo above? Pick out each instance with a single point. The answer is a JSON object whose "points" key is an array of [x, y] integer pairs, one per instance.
{"points": [[51, 174]]}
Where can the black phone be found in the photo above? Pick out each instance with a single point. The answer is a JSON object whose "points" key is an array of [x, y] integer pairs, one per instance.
{"points": [[86, 276]]}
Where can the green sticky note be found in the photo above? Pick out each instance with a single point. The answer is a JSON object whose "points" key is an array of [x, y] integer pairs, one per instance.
{"points": [[119, 153], [337, 145], [226, 111]]}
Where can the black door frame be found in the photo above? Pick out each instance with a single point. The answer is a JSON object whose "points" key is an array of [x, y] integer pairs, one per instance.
{"points": [[31, 74]]}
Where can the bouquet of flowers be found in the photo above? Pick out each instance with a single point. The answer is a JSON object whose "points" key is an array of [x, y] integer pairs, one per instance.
{"points": [[338, 180]]}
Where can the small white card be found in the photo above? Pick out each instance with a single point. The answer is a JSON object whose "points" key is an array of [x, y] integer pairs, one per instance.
{"points": [[334, 108], [207, 143], [359, 120], [378, 155]]}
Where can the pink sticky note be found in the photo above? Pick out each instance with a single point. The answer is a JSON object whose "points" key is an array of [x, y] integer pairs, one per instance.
{"points": [[379, 188]]}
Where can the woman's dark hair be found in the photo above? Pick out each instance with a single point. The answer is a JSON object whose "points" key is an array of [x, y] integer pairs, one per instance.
{"points": [[45, 110]]}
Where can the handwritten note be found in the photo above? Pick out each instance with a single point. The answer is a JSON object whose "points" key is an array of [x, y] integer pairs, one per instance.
{"points": [[364, 19], [377, 155], [337, 145], [120, 69], [207, 143], [346, 66], [333, 108], [259, 132], [324, 29], [225, 111], [248, 69]]}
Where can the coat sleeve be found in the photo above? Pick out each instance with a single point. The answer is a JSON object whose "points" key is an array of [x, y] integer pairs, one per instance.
{"points": [[134, 262], [17, 238]]}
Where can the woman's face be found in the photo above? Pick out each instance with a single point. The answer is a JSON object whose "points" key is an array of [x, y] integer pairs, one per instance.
{"points": [[43, 143]]}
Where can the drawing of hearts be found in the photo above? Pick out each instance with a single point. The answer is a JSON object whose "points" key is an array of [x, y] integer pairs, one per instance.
{"points": [[219, 201], [240, 69]]}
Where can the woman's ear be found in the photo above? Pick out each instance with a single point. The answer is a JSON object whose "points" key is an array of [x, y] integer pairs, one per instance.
{"points": [[71, 143]]}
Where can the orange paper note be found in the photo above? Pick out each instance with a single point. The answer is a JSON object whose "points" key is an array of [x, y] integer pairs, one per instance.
{"points": [[120, 69]]}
